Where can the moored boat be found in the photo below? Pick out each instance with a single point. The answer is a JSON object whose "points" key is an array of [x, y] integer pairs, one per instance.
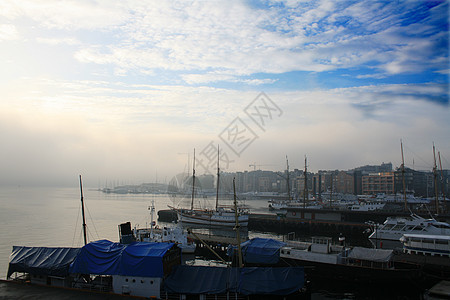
{"points": [[220, 216], [357, 264], [394, 228], [432, 252]]}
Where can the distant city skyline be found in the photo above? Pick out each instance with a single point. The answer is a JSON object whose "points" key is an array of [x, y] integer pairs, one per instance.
{"points": [[126, 90]]}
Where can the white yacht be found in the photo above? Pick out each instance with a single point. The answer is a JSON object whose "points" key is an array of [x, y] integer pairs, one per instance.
{"points": [[394, 228], [366, 206], [167, 234], [434, 245]]}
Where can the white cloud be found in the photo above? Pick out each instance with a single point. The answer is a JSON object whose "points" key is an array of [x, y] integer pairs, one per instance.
{"points": [[8, 32], [238, 39], [215, 77], [59, 41], [67, 14]]}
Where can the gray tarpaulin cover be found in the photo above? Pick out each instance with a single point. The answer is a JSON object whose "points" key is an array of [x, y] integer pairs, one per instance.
{"points": [[380, 255]]}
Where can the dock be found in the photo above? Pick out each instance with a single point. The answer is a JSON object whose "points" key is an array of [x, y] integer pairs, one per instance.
{"points": [[354, 225], [279, 224]]}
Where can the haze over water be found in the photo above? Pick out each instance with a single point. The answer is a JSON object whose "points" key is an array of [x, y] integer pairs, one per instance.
{"points": [[51, 217]]}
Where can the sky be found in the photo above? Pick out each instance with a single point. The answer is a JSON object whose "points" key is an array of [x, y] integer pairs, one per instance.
{"points": [[122, 92]]}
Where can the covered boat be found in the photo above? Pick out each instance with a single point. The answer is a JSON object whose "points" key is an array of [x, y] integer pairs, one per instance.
{"points": [[203, 280], [137, 269], [42, 265], [259, 251], [357, 264]]}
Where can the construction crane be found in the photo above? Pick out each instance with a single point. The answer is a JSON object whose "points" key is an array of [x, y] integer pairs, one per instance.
{"points": [[254, 165]]}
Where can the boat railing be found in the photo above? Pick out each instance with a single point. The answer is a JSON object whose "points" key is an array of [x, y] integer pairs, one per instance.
{"points": [[300, 245]]}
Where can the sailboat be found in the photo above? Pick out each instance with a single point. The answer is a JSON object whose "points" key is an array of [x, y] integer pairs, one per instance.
{"points": [[220, 216], [282, 204]]}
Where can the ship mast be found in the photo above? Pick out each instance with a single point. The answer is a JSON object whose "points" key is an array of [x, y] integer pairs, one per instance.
{"points": [[435, 181], [237, 226], [305, 188], [442, 181], [403, 177], [82, 213], [193, 183], [287, 180], [218, 174]]}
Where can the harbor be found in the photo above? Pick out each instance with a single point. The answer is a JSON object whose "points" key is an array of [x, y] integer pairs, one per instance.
{"points": [[134, 208]]}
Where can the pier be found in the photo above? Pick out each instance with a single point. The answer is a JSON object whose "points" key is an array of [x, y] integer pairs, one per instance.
{"points": [[306, 222]]}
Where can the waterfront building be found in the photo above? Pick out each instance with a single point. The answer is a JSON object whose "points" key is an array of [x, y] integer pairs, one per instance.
{"points": [[377, 183]]}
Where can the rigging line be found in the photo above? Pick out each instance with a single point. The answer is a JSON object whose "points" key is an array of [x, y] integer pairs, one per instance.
{"points": [[92, 221], [76, 225], [428, 164], [80, 237], [92, 235], [443, 158]]}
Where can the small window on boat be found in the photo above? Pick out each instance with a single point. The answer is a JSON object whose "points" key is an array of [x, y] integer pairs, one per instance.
{"points": [[441, 226], [441, 242]]}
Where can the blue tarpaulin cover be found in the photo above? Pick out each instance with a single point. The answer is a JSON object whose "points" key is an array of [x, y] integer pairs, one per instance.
{"points": [[245, 281], [100, 258], [261, 251], [107, 258], [41, 260], [144, 259]]}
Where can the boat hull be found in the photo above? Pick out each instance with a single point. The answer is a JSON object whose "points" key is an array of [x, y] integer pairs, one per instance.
{"points": [[405, 274], [212, 219]]}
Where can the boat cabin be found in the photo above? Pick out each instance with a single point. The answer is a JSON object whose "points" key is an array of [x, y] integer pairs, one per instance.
{"points": [[425, 244]]}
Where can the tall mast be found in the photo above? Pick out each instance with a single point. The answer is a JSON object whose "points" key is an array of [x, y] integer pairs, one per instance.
{"points": [[287, 180], [193, 182], [152, 210], [82, 213], [218, 174], [442, 181], [331, 190], [305, 188], [435, 182], [403, 177], [237, 226]]}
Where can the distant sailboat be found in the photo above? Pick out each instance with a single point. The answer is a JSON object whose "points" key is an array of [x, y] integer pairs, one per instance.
{"points": [[220, 216]]}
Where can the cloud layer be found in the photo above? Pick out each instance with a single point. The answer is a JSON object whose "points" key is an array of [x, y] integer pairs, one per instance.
{"points": [[124, 90]]}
